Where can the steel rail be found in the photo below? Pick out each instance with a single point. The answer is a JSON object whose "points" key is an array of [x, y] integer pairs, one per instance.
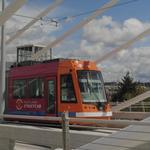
{"points": [[78, 120]]}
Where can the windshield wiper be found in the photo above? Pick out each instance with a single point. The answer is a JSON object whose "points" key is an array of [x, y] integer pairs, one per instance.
{"points": [[92, 91]]}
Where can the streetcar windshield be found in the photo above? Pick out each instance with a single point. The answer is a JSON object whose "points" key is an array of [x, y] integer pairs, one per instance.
{"points": [[91, 86]]}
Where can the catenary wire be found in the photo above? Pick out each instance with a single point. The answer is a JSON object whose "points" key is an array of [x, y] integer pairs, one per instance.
{"points": [[75, 15]]}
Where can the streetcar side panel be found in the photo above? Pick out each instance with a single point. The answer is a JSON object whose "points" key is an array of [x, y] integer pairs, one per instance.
{"points": [[31, 83]]}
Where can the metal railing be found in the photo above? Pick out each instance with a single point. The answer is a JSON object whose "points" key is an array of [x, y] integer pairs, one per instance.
{"points": [[34, 135], [47, 136]]}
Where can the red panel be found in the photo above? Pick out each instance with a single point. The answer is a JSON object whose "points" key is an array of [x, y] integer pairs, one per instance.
{"points": [[27, 105], [34, 70]]}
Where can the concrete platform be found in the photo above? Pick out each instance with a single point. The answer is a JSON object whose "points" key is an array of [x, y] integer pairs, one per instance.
{"points": [[20, 146], [135, 137], [49, 137]]}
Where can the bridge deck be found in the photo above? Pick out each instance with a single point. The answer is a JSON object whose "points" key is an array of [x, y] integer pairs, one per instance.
{"points": [[133, 137]]}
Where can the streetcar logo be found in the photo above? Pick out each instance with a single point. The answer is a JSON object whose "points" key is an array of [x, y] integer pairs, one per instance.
{"points": [[19, 104]]}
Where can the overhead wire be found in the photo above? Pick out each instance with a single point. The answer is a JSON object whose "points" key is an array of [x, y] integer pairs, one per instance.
{"points": [[91, 11], [78, 14], [57, 20]]}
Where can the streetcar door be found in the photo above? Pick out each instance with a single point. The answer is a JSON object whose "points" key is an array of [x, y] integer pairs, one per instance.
{"points": [[51, 86]]}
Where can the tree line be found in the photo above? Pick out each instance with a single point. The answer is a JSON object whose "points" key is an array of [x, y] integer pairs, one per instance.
{"points": [[127, 89]]}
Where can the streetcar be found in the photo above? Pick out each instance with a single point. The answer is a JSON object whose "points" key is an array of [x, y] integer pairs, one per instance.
{"points": [[51, 87]]}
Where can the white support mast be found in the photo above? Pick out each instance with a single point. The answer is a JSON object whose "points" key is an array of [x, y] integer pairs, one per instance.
{"points": [[5, 15], [2, 64]]}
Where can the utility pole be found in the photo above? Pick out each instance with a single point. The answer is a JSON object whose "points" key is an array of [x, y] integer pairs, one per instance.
{"points": [[2, 64]]}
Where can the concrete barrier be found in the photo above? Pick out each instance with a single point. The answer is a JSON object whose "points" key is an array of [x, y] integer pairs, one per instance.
{"points": [[9, 134], [52, 137]]}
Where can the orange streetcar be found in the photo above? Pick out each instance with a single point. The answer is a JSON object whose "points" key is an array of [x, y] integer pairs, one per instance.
{"points": [[52, 87]]}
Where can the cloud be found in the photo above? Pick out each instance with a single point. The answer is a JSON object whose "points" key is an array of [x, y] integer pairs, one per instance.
{"points": [[103, 35], [110, 32], [39, 33], [136, 61], [98, 37]]}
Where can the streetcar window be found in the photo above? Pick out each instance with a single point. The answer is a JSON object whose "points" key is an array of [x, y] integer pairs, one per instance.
{"points": [[19, 88], [36, 88], [91, 86], [67, 89]]}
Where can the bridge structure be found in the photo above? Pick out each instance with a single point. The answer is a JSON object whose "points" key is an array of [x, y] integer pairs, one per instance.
{"points": [[135, 135], [32, 135], [130, 102]]}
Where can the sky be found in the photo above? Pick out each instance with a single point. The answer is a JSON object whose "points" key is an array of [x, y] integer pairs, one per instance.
{"points": [[103, 34]]}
